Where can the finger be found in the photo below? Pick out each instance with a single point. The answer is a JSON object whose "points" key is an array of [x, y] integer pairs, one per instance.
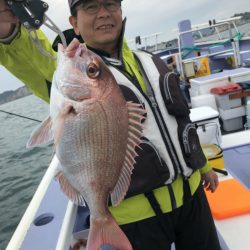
{"points": [[213, 185], [216, 181], [206, 184]]}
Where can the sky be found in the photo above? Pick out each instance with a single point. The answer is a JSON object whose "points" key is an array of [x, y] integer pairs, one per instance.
{"points": [[144, 18]]}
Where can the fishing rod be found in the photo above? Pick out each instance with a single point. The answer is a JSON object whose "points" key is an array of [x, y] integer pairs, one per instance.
{"points": [[25, 117]]}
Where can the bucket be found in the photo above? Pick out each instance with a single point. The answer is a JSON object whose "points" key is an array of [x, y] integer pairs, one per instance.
{"points": [[214, 154]]}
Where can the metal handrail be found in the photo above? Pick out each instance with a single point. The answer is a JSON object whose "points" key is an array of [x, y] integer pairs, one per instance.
{"points": [[235, 44]]}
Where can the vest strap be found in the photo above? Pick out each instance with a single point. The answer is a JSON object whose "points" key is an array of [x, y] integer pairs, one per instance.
{"points": [[163, 220], [187, 195], [172, 197]]}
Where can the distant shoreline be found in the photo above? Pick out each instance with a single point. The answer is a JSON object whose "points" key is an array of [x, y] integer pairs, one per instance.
{"points": [[11, 95]]}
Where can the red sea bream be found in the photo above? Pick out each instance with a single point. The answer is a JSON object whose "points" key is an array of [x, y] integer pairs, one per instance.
{"points": [[95, 132]]}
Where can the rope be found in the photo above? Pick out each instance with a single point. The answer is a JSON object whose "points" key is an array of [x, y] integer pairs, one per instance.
{"points": [[25, 117]]}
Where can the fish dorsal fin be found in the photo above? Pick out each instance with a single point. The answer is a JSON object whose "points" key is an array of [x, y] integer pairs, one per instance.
{"points": [[69, 191], [135, 113], [42, 135]]}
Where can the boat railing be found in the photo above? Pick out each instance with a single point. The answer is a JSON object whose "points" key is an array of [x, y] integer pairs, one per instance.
{"points": [[149, 42], [183, 57], [29, 215], [215, 24], [159, 41]]}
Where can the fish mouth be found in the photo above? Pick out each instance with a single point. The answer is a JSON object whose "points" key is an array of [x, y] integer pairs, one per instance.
{"points": [[105, 27]]}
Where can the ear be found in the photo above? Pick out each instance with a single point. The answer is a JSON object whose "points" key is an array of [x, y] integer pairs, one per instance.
{"points": [[73, 22]]}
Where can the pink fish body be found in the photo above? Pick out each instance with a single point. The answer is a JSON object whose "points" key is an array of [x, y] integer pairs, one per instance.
{"points": [[95, 132]]}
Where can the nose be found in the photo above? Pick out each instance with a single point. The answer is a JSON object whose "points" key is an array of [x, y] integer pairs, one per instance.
{"points": [[103, 12]]}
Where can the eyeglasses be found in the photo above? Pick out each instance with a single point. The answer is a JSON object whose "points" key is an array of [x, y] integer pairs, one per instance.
{"points": [[92, 7]]}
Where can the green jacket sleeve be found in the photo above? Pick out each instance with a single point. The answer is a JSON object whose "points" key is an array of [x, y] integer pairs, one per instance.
{"points": [[207, 168], [27, 63]]}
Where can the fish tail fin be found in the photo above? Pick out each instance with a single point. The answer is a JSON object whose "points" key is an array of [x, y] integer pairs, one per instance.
{"points": [[107, 232]]}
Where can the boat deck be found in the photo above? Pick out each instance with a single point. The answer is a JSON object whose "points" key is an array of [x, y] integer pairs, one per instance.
{"points": [[50, 219]]}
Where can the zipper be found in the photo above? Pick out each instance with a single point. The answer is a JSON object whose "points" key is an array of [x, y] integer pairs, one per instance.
{"points": [[159, 119], [163, 129], [153, 101], [166, 87], [185, 137]]}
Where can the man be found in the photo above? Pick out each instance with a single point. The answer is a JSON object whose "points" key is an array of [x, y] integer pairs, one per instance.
{"points": [[165, 202]]}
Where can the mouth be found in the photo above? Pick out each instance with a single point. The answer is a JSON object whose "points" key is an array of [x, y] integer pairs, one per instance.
{"points": [[105, 27]]}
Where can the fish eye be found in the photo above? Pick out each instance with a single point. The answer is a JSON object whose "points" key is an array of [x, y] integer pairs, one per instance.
{"points": [[93, 71]]}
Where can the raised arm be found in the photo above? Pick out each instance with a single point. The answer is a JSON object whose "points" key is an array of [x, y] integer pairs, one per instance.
{"points": [[8, 21], [20, 56]]}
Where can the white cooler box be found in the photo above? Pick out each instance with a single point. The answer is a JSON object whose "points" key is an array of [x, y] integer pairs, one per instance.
{"points": [[232, 118], [202, 85], [208, 126]]}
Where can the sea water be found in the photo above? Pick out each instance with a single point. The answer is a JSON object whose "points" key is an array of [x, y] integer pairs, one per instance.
{"points": [[21, 169]]}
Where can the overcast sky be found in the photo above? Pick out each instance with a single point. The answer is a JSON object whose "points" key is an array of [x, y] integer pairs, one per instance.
{"points": [[145, 18]]}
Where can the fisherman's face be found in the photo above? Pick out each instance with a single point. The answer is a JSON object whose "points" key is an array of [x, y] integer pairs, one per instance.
{"points": [[98, 22]]}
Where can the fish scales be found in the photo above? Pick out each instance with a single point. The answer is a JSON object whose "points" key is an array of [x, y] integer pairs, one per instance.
{"points": [[96, 143]]}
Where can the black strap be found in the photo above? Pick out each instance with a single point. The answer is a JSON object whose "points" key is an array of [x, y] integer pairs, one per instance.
{"points": [[163, 220], [172, 197], [186, 190]]}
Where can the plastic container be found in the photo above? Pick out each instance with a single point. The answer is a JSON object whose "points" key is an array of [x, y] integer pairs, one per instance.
{"points": [[202, 85], [248, 108], [226, 96], [204, 100], [246, 91], [208, 126], [232, 118], [247, 123]]}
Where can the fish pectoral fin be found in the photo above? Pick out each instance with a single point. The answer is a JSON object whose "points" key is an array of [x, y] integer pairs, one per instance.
{"points": [[42, 135], [106, 231], [69, 190], [60, 121], [134, 139]]}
